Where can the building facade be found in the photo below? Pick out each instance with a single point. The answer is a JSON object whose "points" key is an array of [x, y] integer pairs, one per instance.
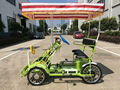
{"points": [[10, 10], [112, 8]]}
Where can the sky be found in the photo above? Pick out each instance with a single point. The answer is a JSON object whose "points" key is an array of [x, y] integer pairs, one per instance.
{"points": [[55, 22]]}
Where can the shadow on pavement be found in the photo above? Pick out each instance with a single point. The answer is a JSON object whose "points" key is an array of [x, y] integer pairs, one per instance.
{"points": [[77, 80], [26, 48], [74, 81], [105, 70]]}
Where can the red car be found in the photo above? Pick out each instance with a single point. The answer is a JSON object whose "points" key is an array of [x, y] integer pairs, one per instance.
{"points": [[78, 35]]}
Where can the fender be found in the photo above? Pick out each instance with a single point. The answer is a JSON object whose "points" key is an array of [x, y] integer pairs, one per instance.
{"points": [[94, 63], [26, 69]]}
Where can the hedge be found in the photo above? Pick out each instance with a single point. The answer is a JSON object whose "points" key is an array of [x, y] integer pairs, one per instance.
{"points": [[7, 39], [114, 39], [108, 36]]}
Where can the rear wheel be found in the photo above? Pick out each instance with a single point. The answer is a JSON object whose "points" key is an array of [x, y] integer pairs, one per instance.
{"points": [[36, 76], [95, 71]]}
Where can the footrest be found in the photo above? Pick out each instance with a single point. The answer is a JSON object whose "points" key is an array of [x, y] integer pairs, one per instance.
{"points": [[69, 63]]}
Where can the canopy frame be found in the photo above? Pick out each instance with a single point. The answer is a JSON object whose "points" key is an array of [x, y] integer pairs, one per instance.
{"points": [[50, 11], [41, 11]]}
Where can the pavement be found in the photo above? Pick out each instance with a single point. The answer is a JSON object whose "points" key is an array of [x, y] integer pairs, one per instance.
{"points": [[14, 58]]}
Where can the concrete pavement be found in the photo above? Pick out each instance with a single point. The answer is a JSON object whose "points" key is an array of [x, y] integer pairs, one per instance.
{"points": [[10, 67]]}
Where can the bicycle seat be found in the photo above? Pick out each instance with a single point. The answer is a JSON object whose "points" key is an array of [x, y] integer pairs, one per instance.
{"points": [[79, 53]]}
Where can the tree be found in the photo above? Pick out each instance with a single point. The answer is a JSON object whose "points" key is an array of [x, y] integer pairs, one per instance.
{"points": [[25, 31], [113, 25], [109, 24], [63, 27], [43, 26], [74, 27], [94, 24], [15, 26], [39, 29], [104, 24], [2, 26], [55, 28], [85, 26]]}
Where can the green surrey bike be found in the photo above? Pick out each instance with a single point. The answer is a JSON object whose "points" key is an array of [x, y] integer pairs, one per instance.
{"points": [[82, 66]]}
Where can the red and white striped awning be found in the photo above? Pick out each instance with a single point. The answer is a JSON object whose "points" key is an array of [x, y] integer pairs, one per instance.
{"points": [[40, 11]]}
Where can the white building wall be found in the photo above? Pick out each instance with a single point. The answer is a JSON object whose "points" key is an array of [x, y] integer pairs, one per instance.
{"points": [[8, 9], [109, 9], [80, 22]]}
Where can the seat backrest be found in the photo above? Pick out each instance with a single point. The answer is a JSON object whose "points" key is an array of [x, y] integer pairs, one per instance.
{"points": [[89, 42]]}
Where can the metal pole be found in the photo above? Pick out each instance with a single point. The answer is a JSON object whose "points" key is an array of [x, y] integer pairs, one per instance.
{"points": [[99, 29], [52, 41], [28, 56], [89, 27]]}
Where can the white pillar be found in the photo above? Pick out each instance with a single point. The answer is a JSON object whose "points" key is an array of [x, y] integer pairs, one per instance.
{"points": [[80, 21], [70, 23], [110, 8]]}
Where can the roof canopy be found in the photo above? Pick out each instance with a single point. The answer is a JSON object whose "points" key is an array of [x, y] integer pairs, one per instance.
{"points": [[41, 11]]}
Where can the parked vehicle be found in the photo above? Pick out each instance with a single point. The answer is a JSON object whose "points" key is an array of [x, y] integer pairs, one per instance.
{"points": [[78, 35], [39, 35]]}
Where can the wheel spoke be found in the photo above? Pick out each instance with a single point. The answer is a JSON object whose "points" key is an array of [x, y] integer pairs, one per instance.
{"points": [[36, 76], [93, 70]]}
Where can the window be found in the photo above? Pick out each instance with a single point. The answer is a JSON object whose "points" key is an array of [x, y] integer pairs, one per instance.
{"points": [[12, 2], [30, 26], [34, 28], [101, 1], [20, 6], [119, 21], [10, 19], [89, 1], [0, 17]]}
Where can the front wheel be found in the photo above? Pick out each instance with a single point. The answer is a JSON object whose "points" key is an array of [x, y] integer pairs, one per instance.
{"points": [[95, 71], [36, 76]]}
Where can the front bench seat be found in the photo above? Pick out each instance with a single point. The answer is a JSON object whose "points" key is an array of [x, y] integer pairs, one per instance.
{"points": [[79, 53]]}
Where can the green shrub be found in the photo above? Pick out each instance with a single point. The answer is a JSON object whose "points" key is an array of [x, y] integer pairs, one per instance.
{"points": [[63, 27], [111, 33], [106, 24], [2, 26], [85, 26], [113, 25], [14, 26], [93, 37], [109, 24], [74, 27], [115, 39]]}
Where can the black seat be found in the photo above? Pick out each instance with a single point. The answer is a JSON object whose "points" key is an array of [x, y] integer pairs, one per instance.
{"points": [[88, 41], [79, 53]]}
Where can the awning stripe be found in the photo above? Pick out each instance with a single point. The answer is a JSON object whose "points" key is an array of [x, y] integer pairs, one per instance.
{"points": [[63, 4], [55, 6], [60, 9]]}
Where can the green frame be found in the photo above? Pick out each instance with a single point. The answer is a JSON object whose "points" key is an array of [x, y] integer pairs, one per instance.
{"points": [[44, 63]]}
